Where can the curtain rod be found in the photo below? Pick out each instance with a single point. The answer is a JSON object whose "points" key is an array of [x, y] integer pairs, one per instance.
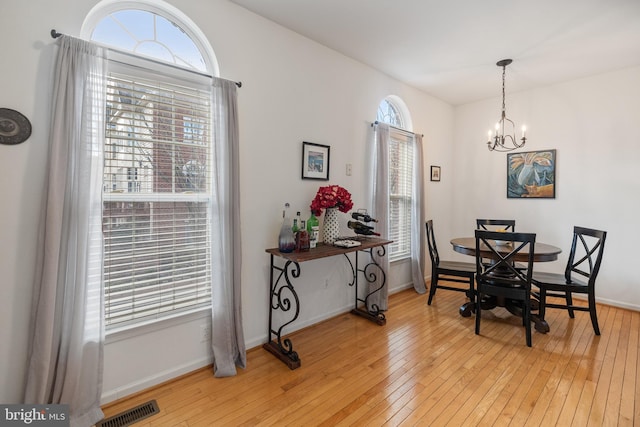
{"points": [[55, 35], [397, 128]]}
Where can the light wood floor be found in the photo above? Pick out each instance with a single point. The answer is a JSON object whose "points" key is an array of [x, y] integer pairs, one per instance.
{"points": [[424, 367]]}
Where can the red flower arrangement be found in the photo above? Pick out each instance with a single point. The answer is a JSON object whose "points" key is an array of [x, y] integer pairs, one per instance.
{"points": [[331, 196]]}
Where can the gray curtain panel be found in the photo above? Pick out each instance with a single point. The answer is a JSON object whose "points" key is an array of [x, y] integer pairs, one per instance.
{"points": [[380, 207], [418, 235], [67, 331], [227, 339]]}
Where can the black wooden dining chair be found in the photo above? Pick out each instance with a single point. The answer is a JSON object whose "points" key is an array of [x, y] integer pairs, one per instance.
{"points": [[584, 260], [501, 278], [451, 271], [493, 224]]}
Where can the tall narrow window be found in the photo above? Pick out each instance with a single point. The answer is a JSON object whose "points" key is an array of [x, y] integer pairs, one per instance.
{"points": [[401, 152], [157, 174]]}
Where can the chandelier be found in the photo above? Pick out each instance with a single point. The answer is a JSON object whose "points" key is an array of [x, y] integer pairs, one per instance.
{"points": [[505, 135]]}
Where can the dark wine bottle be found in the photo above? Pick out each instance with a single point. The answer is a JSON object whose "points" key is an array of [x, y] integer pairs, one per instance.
{"points": [[362, 217], [302, 238], [360, 228]]}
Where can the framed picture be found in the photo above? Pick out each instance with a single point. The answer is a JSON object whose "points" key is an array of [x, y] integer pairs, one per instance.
{"points": [[435, 173], [531, 175], [315, 161]]}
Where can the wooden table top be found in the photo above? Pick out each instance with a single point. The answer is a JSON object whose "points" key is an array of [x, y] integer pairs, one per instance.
{"points": [[323, 250], [543, 251]]}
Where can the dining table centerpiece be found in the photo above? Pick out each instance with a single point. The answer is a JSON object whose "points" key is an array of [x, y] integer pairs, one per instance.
{"points": [[331, 199]]}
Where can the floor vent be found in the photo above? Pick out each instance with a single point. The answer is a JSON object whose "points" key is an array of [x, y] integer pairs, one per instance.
{"points": [[131, 416]]}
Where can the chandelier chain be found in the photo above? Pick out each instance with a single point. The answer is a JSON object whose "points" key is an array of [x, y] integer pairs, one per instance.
{"points": [[504, 108]]}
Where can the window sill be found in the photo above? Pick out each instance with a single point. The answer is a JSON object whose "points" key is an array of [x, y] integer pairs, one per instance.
{"points": [[400, 260]]}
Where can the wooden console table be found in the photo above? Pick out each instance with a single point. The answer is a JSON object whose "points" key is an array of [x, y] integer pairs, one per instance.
{"points": [[283, 295]]}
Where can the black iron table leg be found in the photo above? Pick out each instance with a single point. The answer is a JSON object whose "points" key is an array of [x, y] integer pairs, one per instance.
{"points": [[371, 272], [283, 297]]}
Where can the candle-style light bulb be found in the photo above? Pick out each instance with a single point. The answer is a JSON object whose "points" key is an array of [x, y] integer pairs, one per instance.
{"points": [[524, 129]]}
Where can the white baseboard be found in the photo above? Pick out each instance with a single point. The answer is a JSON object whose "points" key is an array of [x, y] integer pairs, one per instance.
{"points": [[612, 303]]}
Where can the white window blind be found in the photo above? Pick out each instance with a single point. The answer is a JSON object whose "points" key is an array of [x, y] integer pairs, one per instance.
{"points": [[401, 151], [157, 196]]}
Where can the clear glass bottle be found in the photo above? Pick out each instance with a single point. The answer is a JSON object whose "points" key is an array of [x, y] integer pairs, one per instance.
{"points": [[286, 239]]}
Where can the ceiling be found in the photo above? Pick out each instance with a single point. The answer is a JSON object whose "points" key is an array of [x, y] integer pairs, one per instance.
{"points": [[449, 48]]}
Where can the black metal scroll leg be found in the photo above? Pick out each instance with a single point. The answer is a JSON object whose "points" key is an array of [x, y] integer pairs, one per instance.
{"points": [[371, 272], [283, 296]]}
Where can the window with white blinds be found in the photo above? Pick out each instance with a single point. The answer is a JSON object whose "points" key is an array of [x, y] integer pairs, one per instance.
{"points": [[156, 197], [401, 152], [400, 179]]}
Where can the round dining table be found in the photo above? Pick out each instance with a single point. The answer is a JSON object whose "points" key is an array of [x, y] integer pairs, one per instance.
{"points": [[543, 252]]}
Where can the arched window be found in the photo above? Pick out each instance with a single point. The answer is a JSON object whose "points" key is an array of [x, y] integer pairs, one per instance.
{"points": [[148, 34], [158, 149], [389, 113], [151, 29]]}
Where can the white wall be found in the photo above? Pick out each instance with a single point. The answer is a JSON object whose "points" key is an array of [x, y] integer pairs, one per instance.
{"points": [[293, 90], [593, 125]]}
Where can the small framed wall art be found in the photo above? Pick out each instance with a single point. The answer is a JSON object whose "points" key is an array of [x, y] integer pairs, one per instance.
{"points": [[435, 173], [315, 161]]}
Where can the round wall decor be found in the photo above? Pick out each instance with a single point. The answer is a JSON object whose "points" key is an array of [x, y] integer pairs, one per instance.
{"points": [[14, 127]]}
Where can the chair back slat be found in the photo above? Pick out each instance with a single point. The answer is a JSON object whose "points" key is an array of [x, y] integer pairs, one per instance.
{"points": [[431, 242]]}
